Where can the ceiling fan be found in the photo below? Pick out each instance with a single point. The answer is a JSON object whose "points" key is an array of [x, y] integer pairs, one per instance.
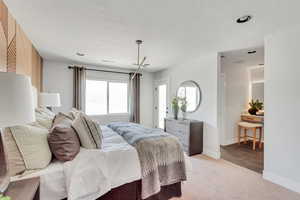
{"points": [[140, 64]]}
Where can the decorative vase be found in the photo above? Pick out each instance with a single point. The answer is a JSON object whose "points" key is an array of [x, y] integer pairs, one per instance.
{"points": [[183, 115], [175, 112], [252, 111]]}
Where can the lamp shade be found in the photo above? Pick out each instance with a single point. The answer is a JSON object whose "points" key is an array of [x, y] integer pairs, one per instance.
{"points": [[16, 100], [49, 100]]}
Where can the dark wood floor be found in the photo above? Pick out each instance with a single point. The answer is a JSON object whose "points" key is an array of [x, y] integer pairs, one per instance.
{"points": [[244, 156]]}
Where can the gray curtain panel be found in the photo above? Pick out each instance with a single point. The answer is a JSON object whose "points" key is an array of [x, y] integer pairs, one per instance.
{"points": [[134, 100], [79, 88]]}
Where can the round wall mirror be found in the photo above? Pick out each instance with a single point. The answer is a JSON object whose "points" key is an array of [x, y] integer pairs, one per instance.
{"points": [[191, 91]]}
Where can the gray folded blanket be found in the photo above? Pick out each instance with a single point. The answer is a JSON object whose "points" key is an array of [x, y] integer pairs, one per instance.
{"points": [[161, 156]]}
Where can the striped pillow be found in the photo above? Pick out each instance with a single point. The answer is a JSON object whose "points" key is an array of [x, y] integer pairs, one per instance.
{"points": [[88, 131]]}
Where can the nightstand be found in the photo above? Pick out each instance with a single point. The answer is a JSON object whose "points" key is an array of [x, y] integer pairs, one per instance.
{"points": [[27, 189]]}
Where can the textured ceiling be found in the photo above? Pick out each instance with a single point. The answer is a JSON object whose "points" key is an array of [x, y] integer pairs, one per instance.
{"points": [[173, 30]]}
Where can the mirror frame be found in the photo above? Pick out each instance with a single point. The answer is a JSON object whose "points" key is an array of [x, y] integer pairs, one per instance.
{"points": [[200, 94]]}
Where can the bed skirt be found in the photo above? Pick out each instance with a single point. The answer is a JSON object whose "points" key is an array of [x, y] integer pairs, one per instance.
{"points": [[132, 191]]}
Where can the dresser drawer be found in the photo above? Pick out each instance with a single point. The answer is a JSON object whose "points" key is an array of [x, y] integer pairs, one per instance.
{"points": [[176, 127], [249, 118]]}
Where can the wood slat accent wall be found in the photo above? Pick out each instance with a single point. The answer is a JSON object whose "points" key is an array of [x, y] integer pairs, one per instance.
{"points": [[3, 50], [17, 54], [12, 56]]}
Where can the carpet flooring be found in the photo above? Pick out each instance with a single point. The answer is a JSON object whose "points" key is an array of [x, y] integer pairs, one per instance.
{"points": [[244, 156], [211, 179]]}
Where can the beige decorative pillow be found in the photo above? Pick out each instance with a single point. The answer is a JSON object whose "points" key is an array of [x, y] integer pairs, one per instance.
{"points": [[74, 112], [16, 163], [88, 131], [62, 118], [33, 146]]}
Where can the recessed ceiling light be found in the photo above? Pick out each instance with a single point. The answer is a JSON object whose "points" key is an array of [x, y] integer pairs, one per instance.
{"points": [[251, 52], [244, 19], [80, 54]]}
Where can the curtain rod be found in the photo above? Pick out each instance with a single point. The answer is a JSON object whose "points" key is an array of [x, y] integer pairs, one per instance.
{"points": [[100, 70]]}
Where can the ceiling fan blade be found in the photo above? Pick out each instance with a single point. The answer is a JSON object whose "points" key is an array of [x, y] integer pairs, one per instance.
{"points": [[140, 65]]}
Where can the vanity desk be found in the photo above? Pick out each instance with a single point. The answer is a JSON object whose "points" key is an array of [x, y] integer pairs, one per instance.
{"points": [[254, 123]]}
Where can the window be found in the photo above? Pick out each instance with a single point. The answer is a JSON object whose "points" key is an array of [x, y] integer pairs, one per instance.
{"points": [[96, 97], [118, 98], [106, 97]]}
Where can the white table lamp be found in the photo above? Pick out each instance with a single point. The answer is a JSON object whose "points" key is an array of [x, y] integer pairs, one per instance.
{"points": [[16, 108], [49, 100]]}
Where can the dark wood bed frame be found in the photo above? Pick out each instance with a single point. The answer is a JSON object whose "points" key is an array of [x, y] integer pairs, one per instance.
{"points": [[132, 191]]}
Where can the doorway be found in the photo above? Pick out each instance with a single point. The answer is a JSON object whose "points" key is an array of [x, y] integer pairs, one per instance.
{"points": [[161, 102], [241, 80]]}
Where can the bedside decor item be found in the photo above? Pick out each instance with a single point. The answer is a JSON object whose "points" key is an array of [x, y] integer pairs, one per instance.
{"points": [[255, 106], [16, 107], [191, 92], [175, 107], [49, 100]]}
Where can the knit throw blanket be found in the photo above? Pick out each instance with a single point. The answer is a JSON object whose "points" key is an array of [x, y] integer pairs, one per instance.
{"points": [[161, 156]]}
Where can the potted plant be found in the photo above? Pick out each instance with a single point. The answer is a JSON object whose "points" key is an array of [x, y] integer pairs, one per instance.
{"points": [[175, 107], [255, 106], [183, 107]]}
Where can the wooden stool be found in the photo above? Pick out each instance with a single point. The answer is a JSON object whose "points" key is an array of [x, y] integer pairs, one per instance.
{"points": [[250, 126]]}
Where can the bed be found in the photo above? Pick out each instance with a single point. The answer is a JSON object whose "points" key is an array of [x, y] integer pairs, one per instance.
{"points": [[123, 171]]}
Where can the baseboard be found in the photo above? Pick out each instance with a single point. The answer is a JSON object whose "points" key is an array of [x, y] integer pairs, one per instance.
{"points": [[283, 181], [230, 141], [212, 153]]}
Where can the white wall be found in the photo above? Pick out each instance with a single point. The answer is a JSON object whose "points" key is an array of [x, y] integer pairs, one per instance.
{"points": [[58, 78], [282, 108], [235, 101], [204, 71]]}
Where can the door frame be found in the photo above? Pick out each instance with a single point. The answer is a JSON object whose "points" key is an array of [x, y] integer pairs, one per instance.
{"points": [[155, 102]]}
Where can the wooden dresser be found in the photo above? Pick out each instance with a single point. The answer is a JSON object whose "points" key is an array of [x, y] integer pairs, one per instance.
{"points": [[189, 133]]}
